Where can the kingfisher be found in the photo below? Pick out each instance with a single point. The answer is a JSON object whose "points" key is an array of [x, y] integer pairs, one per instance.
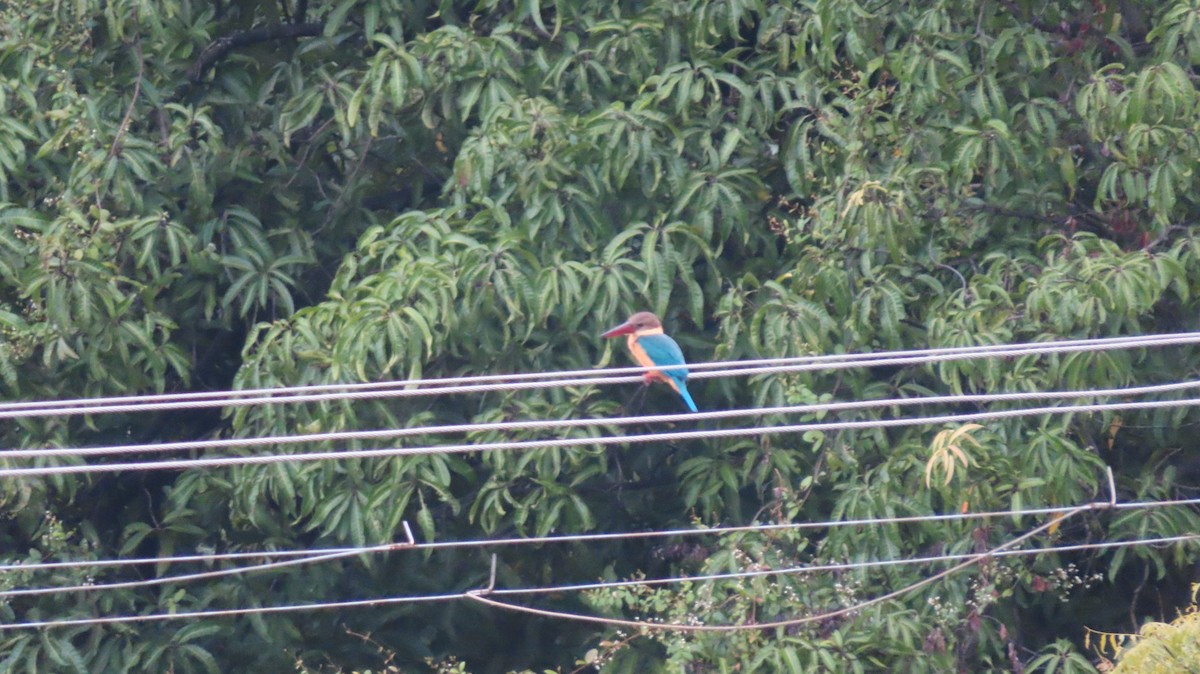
{"points": [[651, 348]]}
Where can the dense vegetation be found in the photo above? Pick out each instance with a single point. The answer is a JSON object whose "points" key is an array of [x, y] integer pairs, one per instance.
{"points": [[201, 195]]}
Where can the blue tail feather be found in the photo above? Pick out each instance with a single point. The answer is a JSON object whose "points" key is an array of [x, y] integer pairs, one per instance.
{"points": [[683, 393]]}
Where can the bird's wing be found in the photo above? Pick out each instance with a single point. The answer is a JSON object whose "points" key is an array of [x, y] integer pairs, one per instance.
{"points": [[662, 350], [639, 354]]}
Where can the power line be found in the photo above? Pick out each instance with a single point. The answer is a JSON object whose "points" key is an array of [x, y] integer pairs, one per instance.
{"points": [[328, 555], [314, 556], [570, 538], [206, 558], [225, 613], [522, 381], [1133, 340], [387, 434], [841, 566], [1000, 551], [203, 575], [211, 462], [479, 595], [580, 538], [561, 538]]}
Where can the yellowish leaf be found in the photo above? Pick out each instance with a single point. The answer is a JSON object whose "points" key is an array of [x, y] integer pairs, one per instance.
{"points": [[1055, 520], [1115, 426], [946, 452]]}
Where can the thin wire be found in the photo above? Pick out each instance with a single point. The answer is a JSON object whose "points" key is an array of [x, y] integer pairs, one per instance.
{"points": [[177, 559], [567, 588], [565, 538], [351, 552], [385, 601], [210, 462], [594, 377], [203, 575], [737, 368], [224, 613], [838, 566], [386, 434], [478, 379], [314, 557], [477, 595], [481, 595], [580, 538]]}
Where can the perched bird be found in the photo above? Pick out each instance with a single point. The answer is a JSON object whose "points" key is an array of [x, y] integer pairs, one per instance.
{"points": [[651, 348]]}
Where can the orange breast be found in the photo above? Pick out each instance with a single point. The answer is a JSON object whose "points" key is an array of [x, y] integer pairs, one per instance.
{"points": [[639, 354]]}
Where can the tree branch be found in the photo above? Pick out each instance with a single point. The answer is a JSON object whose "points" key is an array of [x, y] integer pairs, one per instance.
{"points": [[1010, 212], [217, 49], [123, 127], [1033, 21]]}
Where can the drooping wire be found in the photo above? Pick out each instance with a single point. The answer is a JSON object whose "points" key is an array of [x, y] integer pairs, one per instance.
{"points": [[550, 424], [323, 555], [483, 595], [568, 538], [543, 380], [225, 461], [388, 601]]}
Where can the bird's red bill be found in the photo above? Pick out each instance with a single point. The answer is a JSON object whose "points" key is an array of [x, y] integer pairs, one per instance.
{"points": [[622, 329]]}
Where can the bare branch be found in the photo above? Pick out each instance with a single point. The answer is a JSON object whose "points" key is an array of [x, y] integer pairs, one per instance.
{"points": [[137, 91], [217, 49]]}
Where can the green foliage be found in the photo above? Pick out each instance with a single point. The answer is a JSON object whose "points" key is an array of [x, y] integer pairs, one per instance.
{"points": [[856, 641], [1157, 647], [1163, 647], [196, 195], [1061, 658]]}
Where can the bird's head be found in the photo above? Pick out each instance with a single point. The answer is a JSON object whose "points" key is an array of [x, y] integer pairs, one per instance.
{"points": [[642, 320]]}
